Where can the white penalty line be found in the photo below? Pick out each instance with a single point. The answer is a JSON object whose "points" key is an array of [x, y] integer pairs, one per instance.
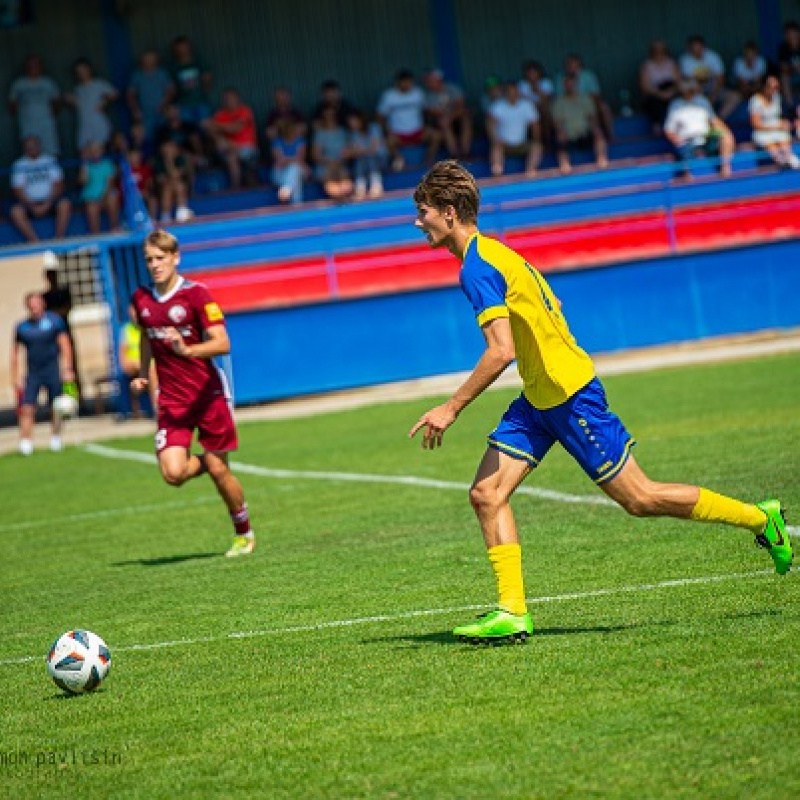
{"points": [[355, 477], [429, 612]]}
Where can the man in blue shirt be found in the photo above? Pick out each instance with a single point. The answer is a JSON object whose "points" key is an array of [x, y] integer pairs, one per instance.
{"points": [[49, 363]]}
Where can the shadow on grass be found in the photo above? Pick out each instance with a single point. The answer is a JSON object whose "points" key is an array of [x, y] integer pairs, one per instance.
{"points": [[445, 638], [164, 560]]}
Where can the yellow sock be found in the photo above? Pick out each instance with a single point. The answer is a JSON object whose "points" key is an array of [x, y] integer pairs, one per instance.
{"points": [[713, 507], [507, 565]]}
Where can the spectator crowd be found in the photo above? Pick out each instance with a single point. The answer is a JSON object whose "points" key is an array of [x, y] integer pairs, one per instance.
{"points": [[176, 132]]}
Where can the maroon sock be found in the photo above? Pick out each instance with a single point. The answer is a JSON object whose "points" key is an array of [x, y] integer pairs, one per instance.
{"points": [[241, 521]]}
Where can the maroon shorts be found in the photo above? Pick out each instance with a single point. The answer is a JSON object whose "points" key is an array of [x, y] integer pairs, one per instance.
{"points": [[409, 139], [212, 418]]}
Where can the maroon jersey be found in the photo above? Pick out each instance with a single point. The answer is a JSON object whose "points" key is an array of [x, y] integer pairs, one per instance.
{"points": [[191, 309]]}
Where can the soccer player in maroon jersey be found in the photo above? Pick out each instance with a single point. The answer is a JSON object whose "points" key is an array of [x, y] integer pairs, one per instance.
{"points": [[184, 330]]}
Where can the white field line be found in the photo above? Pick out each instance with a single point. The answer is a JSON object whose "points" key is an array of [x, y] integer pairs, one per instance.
{"points": [[429, 612], [104, 512], [355, 477]]}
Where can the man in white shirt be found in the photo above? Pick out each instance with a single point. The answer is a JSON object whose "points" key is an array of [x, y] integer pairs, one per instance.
{"points": [[513, 126], [694, 129], [401, 110], [704, 65], [38, 185]]}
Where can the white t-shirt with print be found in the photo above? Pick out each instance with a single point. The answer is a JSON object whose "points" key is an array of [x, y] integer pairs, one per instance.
{"points": [[36, 176]]}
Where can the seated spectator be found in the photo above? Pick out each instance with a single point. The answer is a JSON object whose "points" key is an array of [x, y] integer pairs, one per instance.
{"points": [[447, 112], [538, 88], [577, 125], [587, 84], [367, 149], [233, 130], [659, 77], [329, 154], [694, 129], [401, 111], [513, 127], [144, 179], [150, 91], [789, 64], [704, 65], [284, 110], [97, 178], [771, 131], [35, 99], [289, 168], [330, 94], [192, 80], [90, 99], [179, 148], [749, 70], [37, 182]]}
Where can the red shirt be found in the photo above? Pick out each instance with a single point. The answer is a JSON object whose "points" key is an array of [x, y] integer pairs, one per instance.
{"points": [[247, 136], [191, 309]]}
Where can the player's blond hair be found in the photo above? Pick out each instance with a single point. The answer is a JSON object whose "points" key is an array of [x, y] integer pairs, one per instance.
{"points": [[163, 240], [447, 183]]}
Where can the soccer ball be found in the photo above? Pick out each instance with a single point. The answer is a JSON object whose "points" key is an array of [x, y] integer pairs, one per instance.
{"points": [[78, 661], [65, 405]]}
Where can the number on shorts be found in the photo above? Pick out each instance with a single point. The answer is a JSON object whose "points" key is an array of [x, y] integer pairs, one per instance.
{"points": [[161, 439]]}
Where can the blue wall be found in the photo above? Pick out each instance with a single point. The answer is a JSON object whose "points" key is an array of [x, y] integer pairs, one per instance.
{"points": [[338, 345]]}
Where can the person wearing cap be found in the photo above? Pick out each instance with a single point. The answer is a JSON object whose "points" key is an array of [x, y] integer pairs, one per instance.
{"points": [[693, 128], [446, 110]]}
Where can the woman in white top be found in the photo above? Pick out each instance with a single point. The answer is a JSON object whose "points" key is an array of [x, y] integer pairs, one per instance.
{"points": [[771, 131], [658, 82]]}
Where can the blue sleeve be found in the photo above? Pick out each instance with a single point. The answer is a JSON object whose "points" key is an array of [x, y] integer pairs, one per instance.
{"points": [[483, 284], [58, 323]]}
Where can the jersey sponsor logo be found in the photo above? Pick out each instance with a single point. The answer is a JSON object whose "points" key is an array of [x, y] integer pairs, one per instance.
{"points": [[161, 333], [213, 312], [177, 314], [146, 312]]}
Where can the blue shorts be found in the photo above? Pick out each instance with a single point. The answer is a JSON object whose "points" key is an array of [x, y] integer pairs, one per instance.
{"points": [[49, 378], [589, 432]]}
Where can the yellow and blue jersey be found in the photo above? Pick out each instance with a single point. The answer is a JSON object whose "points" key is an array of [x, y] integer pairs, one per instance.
{"points": [[500, 283]]}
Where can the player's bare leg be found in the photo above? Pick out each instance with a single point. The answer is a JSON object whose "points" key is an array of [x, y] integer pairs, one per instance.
{"points": [[230, 490], [642, 497], [177, 465], [497, 477], [26, 419]]}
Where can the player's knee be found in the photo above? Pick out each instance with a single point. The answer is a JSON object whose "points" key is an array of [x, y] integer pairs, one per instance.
{"points": [[173, 477], [640, 504], [483, 497]]}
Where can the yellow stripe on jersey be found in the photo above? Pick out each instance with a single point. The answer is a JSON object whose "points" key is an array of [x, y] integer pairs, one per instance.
{"points": [[499, 282]]}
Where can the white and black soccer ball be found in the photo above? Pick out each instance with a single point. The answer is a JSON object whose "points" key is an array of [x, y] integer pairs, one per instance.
{"points": [[78, 661], [65, 405]]}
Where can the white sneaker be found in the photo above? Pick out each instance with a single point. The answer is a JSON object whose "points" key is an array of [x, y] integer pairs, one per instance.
{"points": [[25, 447], [56, 445], [183, 214], [376, 185], [360, 191]]}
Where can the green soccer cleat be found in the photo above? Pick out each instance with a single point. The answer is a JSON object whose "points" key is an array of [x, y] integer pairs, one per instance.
{"points": [[242, 546], [496, 626], [775, 538]]}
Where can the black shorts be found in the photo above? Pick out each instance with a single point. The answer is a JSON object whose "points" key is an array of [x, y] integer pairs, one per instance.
{"points": [[50, 379]]}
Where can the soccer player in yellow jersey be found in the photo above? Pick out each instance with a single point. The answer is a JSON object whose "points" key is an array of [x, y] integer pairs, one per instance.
{"points": [[562, 401]]}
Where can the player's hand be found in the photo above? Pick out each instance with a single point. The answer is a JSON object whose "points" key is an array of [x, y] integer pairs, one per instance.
{"points": [[69, 375], [176, 342], [139, 385], [435, 422]]}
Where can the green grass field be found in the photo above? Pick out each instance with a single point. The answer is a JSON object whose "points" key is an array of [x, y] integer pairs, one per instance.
{"points": [[664, 662]]}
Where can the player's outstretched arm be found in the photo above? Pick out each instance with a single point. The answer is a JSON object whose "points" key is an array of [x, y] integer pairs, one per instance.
{"points": [[498, 355]]}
